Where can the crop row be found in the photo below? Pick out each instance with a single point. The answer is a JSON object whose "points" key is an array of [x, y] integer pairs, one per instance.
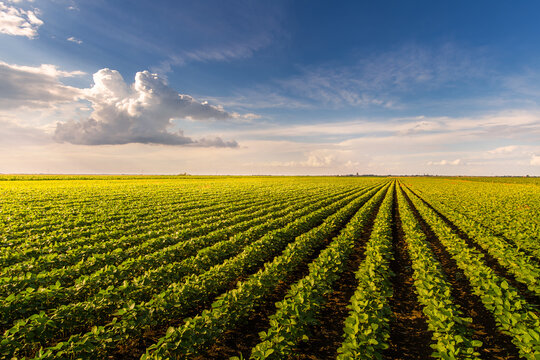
{"points": [[299, 309], [41, 259], [107, 218], [367, 326], [512, 258], [164, 267], [512, 313], [186, 294], [444, 318], [512, 212], [89, 218], [69, 274], [26, 303], [236, 305]]}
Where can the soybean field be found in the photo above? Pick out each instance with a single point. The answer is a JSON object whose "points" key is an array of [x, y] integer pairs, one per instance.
{"points": [[199, 268]]}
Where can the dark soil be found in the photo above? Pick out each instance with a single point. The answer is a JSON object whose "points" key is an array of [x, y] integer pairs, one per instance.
{"points": [[133, 348], [495, 344], [409, 334], [490, 261], [243, 338], [494, 232], [327, 336]]}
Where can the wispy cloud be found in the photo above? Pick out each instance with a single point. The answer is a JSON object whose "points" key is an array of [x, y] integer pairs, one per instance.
{"points": [[263, 97], [75, 40], [19, 22], [380, 80], [415, 145], [525, 85], [503, 124], [238, 30], [233, 51]]}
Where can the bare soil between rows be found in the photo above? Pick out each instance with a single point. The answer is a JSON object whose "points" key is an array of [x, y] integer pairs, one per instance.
{"points": [[530, 297], [240, 340], [495, 345], [327, 336], [409, 334]]}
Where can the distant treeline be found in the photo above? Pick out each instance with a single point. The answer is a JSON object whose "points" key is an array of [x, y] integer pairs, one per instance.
{"points": [[89, 177]]}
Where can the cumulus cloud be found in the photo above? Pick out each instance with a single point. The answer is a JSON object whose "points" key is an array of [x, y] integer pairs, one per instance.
{"points": [[18, 22], [140, 113], [535, 160], [74, 39], [35, 87], [118, 113]]}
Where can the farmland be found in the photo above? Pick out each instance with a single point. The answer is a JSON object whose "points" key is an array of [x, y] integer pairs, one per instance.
{"points": [[269, 268]]}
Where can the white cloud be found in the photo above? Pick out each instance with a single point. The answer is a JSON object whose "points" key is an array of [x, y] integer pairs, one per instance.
{"points": [[140, 113], [504, 149], [421, 126], [75, 40], [414, 130], [319, 161], [35, 87], [115, 112], [315, 159], [375, 156], [19, 22], [109, 112], [312, 161], [412, 145], [445, 162], [248, 117], [524, 154]]}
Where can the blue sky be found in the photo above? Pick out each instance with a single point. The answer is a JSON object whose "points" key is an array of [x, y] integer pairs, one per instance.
{"points": [[281, 87]]}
